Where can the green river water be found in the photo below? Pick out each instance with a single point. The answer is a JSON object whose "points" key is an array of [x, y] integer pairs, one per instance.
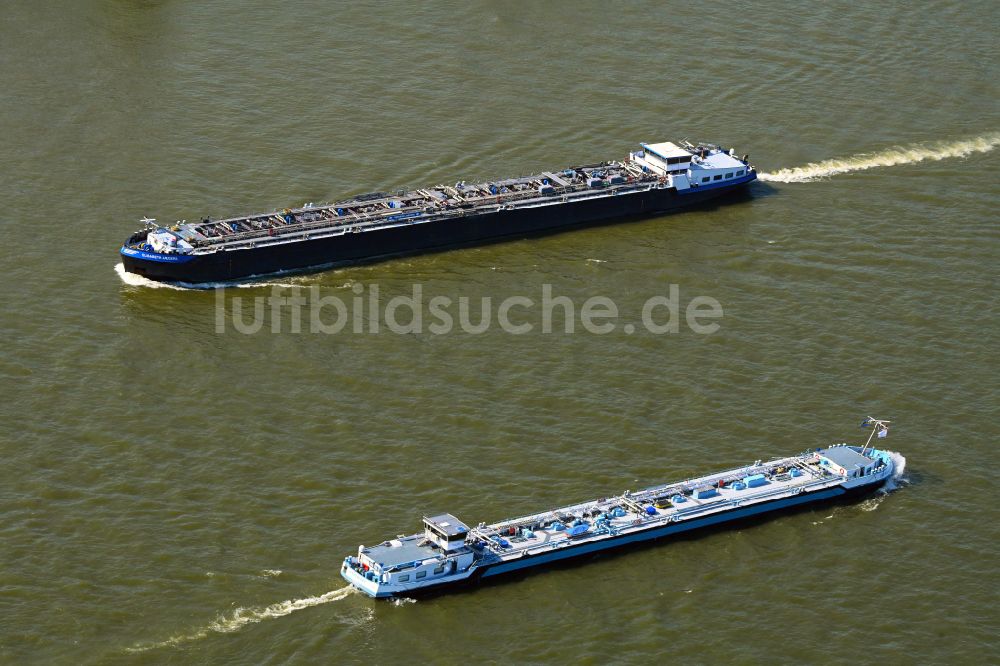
{"points": [[177, 491]]}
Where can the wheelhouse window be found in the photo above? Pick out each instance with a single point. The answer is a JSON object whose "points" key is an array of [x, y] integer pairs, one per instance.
{"points": [[706, 179], [739, 173], [729, 175], [404, 578], [421, 574], [719, 177], [439, 569]]}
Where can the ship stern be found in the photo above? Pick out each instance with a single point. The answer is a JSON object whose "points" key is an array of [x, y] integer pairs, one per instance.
{"points": [[364, 581]]}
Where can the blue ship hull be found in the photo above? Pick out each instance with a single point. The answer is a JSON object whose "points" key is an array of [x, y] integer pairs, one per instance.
{"points": [[489, 573], [449, 553]]}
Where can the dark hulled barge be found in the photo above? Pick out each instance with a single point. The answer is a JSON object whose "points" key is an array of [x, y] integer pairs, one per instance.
{"points": [[658, 178]]}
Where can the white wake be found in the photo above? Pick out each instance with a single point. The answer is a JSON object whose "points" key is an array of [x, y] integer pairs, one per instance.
{"points": [[894, 482], [890, 157], [133, 280], [241, 617], [897, 474]]}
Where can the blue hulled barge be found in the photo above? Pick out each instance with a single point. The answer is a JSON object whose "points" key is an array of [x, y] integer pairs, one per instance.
{"points": [[659, 177], [450, 553]]}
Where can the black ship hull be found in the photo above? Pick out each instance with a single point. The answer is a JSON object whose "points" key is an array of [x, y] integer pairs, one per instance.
{"points": [[476, 227]]}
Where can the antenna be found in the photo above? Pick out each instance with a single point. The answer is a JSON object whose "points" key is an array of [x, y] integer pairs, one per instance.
{"points": [[881, 426]]}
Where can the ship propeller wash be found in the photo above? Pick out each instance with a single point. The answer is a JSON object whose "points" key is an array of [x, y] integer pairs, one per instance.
{"points": [[450, 553], [655, 179]]}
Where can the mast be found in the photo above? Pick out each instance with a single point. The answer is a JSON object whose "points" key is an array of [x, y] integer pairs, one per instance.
{"points": [[880, 427]]}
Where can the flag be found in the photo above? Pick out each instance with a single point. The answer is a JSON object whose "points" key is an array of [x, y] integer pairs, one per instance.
{"points": [[882, 433]]}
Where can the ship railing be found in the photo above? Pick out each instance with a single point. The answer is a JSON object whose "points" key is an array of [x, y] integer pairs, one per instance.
{"points": [[543, 516], [801, 464], [490, 537], [693, 484], [558, 190], [633, 500], [367, 221], [534, 519], [792, 489], [632, 504], [393, 217], [680, 514], [284, 230], [488, 534]]}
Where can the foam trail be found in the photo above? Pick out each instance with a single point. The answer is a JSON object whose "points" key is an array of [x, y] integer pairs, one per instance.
{"points": [[891, 484], [244, 616], [402, 601], [897, 475], [134, 280], [885, 158]]}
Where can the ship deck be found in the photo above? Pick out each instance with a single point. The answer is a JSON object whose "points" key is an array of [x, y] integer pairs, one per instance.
{"points": [[629, 513], [380, 209]]}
